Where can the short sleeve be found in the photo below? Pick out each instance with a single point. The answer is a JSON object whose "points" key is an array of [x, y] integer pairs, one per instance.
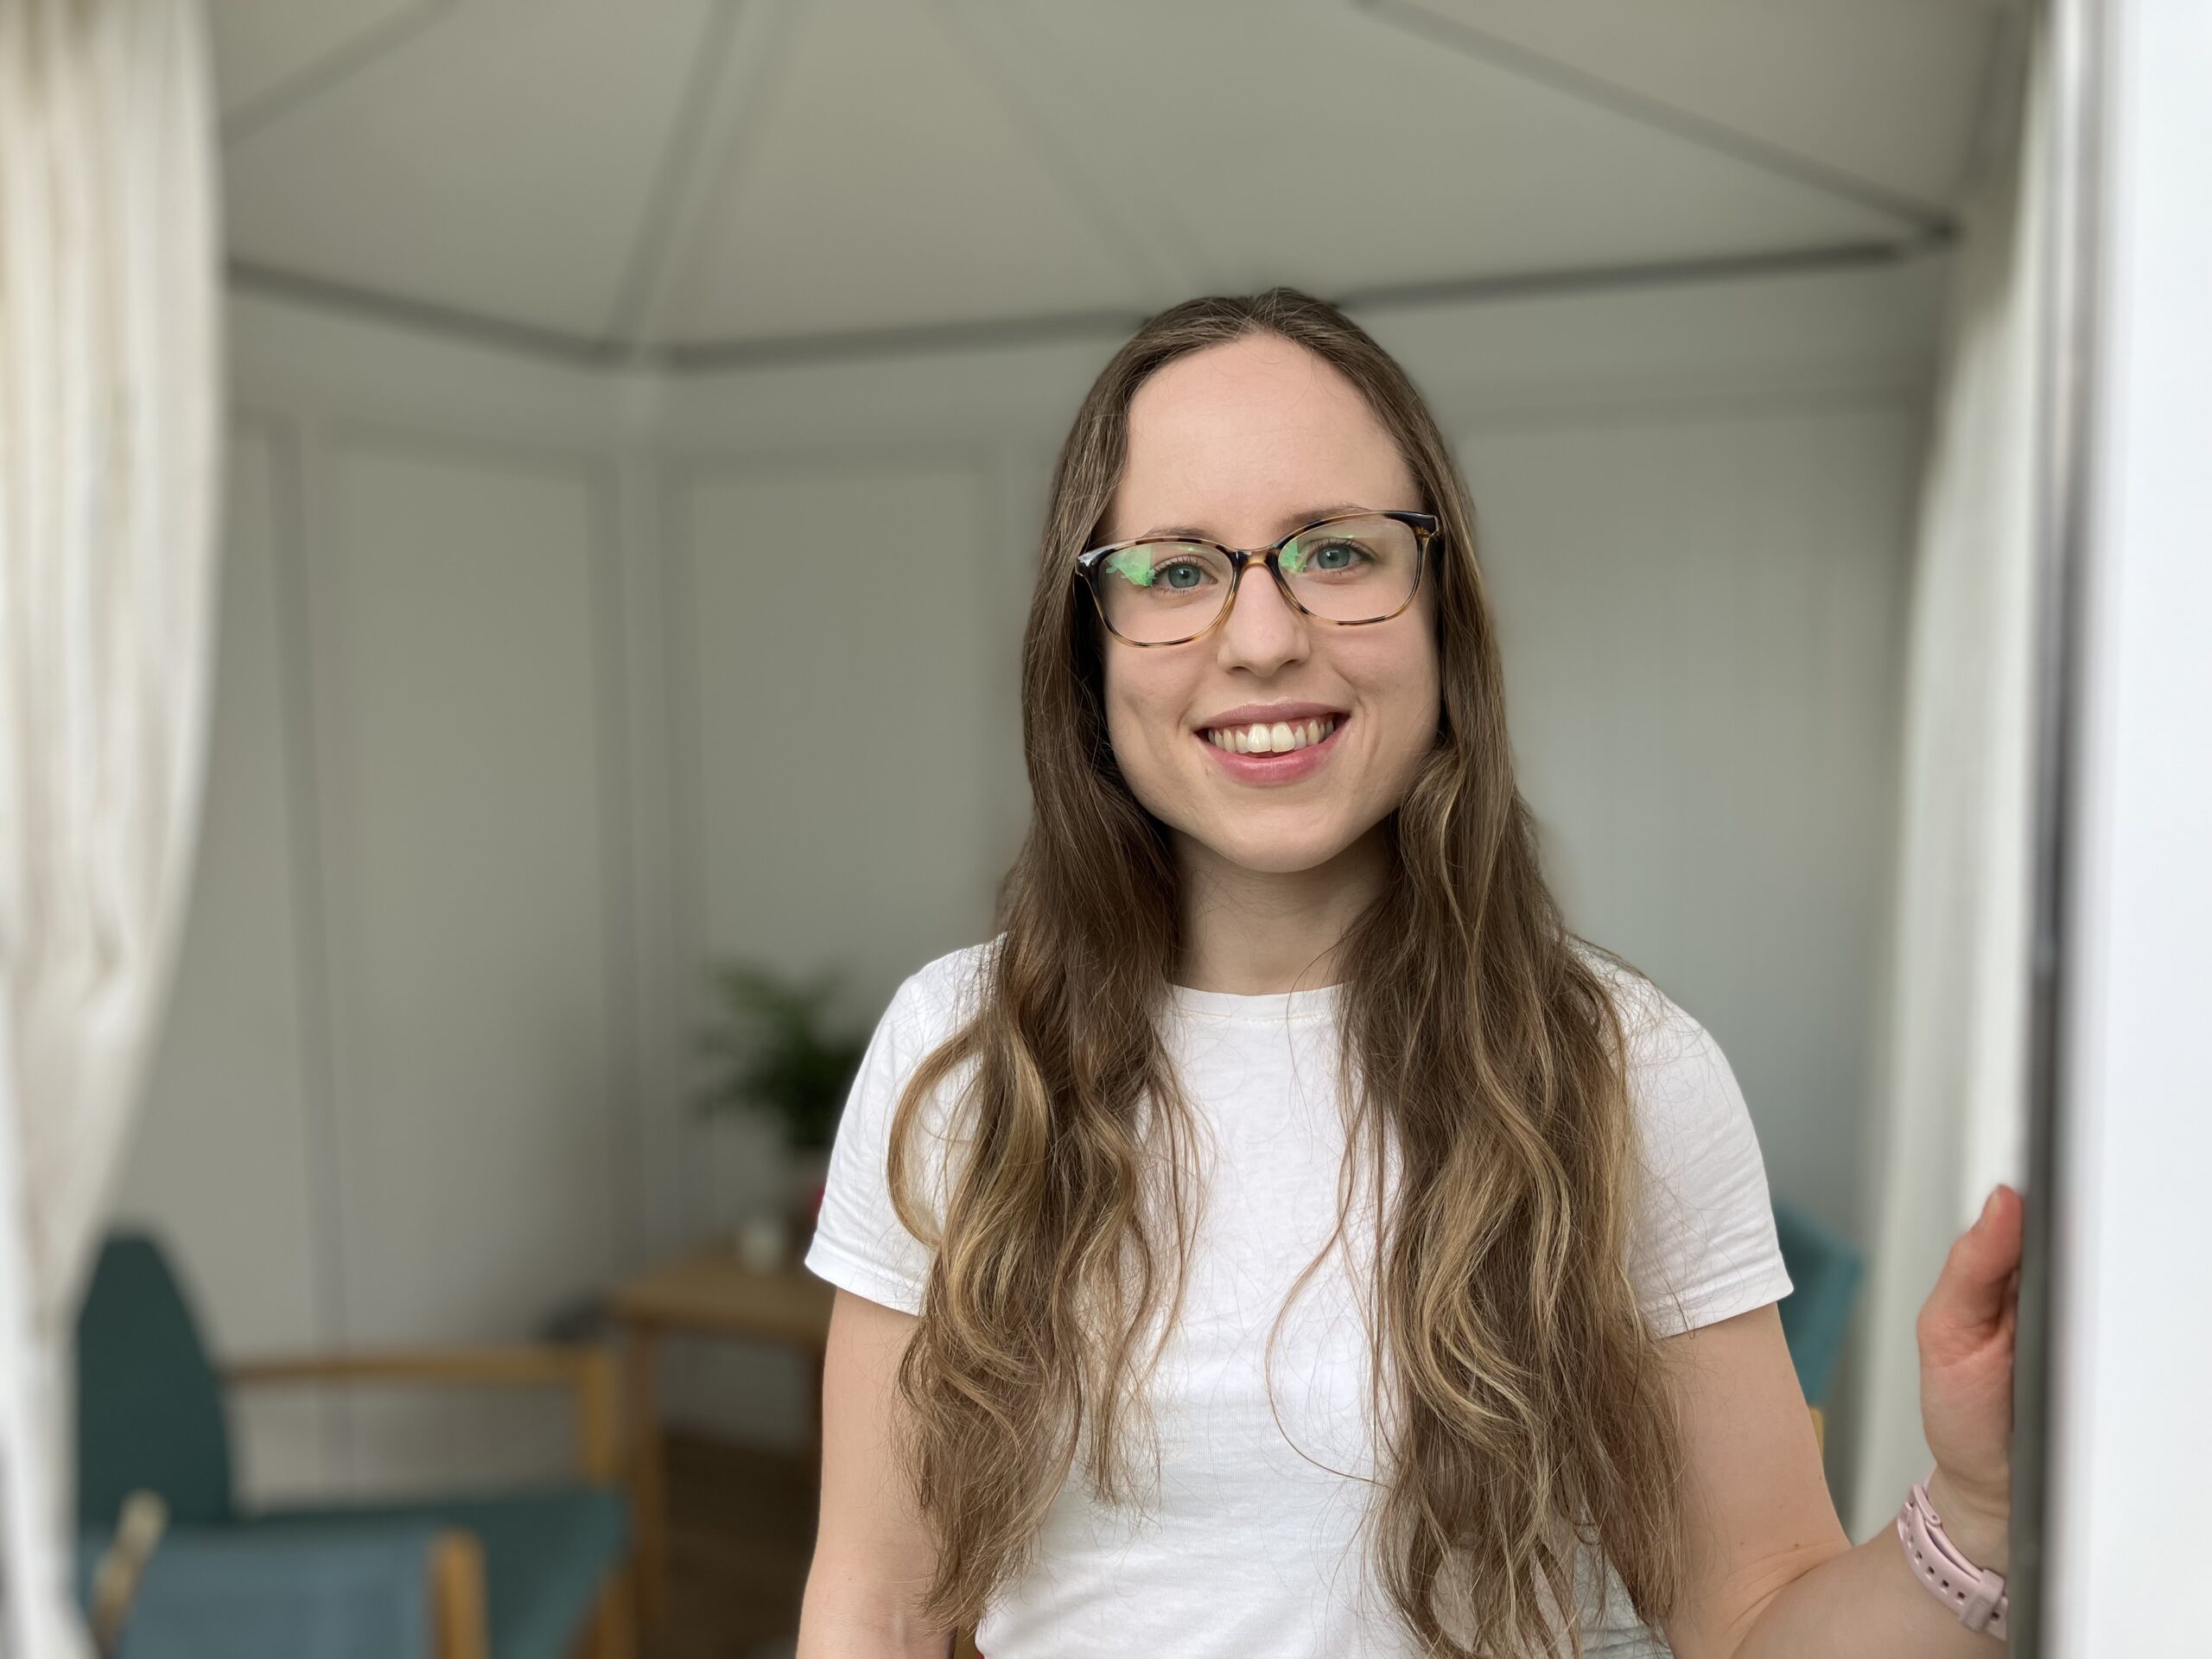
{"points": [[1704, 1244], [860, 1244]]}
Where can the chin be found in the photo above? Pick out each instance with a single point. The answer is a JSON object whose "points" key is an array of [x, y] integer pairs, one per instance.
{"points": [[1277, 855]]}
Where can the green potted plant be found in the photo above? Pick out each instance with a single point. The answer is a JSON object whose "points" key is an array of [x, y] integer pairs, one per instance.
{"points": [[774, 1051]]}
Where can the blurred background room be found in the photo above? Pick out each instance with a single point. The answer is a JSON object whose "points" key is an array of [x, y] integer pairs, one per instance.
{"points": [[638, 423]]}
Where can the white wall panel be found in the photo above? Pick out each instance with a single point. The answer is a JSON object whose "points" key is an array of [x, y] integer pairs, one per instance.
{"points": [[457, 634], [847, 643], [220, 1167], [840, 621], [1700, 610]]}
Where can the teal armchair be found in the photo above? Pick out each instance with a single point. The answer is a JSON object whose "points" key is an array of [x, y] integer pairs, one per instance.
{"points": [[1824, 1271], [371, 1591], [540, 1573]]}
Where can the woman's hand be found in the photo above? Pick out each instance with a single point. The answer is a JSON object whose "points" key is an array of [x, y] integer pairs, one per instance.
{"points": [[1965, 1330]]}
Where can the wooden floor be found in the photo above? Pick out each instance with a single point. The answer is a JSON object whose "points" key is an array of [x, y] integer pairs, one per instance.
{"points": [[740, 1529]]}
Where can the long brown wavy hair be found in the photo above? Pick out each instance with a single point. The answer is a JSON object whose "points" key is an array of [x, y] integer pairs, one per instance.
{"points": [[1520, 1408]]}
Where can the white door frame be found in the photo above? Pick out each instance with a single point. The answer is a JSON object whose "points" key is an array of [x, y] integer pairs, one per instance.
{"points": [[2125, 957]]}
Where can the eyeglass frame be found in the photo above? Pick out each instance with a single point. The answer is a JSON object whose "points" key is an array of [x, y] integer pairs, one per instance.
{"points": [[1426, 526]]}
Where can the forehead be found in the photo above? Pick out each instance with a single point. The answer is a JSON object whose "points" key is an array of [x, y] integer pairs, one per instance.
{"points": [[1241, 441]]}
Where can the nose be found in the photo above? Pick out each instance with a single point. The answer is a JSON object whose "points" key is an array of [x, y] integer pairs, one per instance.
{"points": [[1264, 632]]}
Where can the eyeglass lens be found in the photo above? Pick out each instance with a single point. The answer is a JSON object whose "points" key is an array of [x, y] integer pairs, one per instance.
{"points": [[1356, 569]]}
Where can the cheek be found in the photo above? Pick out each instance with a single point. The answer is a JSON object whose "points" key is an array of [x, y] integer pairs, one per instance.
{"points": [[1425, 682], [1425, 715], [1405, 694], [1139, 707]]}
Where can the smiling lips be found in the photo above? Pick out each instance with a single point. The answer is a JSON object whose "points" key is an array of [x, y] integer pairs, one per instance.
{"points": [[1282, 737], [1274, 751]]}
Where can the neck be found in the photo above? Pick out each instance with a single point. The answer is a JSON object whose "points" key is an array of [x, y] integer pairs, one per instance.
{"points": [[1255, 932]]}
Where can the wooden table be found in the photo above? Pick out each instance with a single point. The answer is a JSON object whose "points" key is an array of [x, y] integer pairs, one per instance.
{"points": [[709, 1293]]}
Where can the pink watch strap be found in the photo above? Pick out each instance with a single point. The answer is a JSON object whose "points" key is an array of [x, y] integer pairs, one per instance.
{"points": [[1975, 1594]]}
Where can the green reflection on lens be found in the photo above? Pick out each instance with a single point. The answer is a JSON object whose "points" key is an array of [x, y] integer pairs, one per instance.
{"points": [[1132, 564]]}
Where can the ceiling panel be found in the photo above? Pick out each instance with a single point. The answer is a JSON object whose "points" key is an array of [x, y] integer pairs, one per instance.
{"points": [[726, 171], [1884, 90], [1306, 141], [263, 46], [884, 181], [498, 161]]}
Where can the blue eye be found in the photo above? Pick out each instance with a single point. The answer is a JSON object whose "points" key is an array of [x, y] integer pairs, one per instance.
{"points": [[1338, 555]]}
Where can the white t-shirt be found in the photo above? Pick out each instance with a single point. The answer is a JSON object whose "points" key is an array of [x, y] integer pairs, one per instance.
{"points": [[1253, 1544]]}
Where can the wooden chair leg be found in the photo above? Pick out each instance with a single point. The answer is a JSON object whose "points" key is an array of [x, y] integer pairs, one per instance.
{"points": [[614, 1620], [648, 1478], [115, 1580], [460, 1617]]}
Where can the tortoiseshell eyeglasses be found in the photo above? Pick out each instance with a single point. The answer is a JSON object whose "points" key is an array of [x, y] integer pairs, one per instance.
{"points": [[1352, 569]]}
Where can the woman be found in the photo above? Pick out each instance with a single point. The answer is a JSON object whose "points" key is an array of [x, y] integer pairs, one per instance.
{"points": [[1285, 1237]]}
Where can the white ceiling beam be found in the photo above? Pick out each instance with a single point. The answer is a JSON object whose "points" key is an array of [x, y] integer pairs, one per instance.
{"points": [[737, 61]]}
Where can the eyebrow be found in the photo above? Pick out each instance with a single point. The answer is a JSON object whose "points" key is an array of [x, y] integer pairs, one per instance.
{"points": [[1284, 525]]}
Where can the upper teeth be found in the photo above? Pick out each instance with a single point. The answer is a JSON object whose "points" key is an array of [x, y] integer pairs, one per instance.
{"points": [[1279, 739]]}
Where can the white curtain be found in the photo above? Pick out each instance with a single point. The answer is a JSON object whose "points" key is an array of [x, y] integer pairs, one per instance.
{"points": [[109, 430], [1951, 1116]]}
